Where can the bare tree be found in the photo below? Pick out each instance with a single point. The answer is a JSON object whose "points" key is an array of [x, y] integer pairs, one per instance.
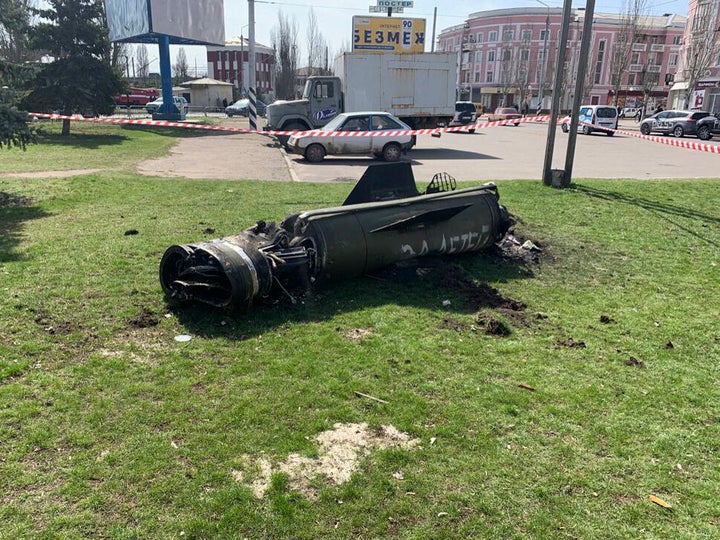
{"points": [[284, 38], [507, 64], [703, 49], [522, 69], [143, 63], [316, 46], [181, 65], [630, 29]]}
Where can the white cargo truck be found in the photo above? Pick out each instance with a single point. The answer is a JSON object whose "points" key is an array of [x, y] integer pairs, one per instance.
{"points": [[417, 88]]}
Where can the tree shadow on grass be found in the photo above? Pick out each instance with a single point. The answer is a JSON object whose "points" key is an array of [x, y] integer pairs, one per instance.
{"points": [[84, 140], [663, 210], [15, 210], [451, 286]]}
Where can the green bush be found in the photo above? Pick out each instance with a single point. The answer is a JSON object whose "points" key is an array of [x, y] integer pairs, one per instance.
{"points": [[14, 128]]}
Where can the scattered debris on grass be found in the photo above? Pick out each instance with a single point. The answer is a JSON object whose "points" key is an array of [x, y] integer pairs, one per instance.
{"points": [[669, 345], [131, 232], [368, 396], [605, 319], [341, 449], [660, 502], [526, 387]]}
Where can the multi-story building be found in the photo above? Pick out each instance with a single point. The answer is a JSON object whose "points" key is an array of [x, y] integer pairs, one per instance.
{"points": [[697, 81], [507, 56], [231, 64]]}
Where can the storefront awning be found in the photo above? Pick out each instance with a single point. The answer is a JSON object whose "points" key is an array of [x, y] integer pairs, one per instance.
{"points": [[680, 85]]}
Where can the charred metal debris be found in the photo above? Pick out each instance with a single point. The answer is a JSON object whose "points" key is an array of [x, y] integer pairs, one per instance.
{"points": [[384, 220]]}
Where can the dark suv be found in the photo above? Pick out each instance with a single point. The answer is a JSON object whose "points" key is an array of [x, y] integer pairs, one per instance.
{"points": [[465, 113], [708, 126]]}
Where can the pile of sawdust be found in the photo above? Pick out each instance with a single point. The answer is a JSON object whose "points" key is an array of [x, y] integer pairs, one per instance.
{"points": [[341, 449]]}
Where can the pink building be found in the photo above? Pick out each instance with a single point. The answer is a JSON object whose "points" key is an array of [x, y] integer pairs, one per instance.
{"points": [[697, 81], [231, 64], [506, 59]]}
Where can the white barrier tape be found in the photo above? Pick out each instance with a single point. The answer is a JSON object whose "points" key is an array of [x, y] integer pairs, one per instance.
{"points": [[678, 143], [315, 132]]}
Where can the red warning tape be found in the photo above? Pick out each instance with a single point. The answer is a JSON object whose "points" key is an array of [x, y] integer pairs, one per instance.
{"points": [[679, 143], [315, 132]]}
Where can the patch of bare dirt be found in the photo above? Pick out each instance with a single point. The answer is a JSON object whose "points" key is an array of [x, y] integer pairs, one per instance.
{"points": [[50, 174], [339, 454], [357, 334], [145, 318], [492, 325], [218, 155], [571, 343]]}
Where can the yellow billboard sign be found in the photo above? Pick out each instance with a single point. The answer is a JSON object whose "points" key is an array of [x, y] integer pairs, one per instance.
{"points": [[388, 34]]}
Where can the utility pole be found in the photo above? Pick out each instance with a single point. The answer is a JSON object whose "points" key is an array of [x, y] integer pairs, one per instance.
{"points": [[579, 90], [252, 115], [559, 65]]}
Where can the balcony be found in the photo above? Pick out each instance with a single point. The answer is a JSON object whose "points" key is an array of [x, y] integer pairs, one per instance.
{"points": [[639, 47], [657, 47], [653, 69], [636, 68]]}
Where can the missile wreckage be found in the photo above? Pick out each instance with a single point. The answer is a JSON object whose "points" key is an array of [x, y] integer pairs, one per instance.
{"points": [[384, 220]]}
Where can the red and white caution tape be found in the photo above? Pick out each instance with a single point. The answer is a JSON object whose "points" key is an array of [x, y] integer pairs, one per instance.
{"points": [[314, 132]]}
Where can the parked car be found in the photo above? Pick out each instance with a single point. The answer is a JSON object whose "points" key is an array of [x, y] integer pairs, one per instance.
{"points": [[708, 126], [180, 102], [465, 113], [679, 123], [602, 118], [382, 142], [630, 112], [242, 108], [565, 123], [505, 113]]}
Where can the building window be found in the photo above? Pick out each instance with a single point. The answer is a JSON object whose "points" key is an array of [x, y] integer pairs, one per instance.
{"points": [[527, 35], [631, 79], [635, 58], [492, 36], [524, 55], [477, 76], [599, 63], [508, 35], [507, 55], [491, 56], [479, 38], [544, 34], [489, 77], [673, 60]]}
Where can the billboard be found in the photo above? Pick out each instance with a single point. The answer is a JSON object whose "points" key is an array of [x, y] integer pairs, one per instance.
{"points": [[186, 22], [388, 34]]}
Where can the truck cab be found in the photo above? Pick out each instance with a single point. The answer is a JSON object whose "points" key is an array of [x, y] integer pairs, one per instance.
{"points": [[321, 101]]}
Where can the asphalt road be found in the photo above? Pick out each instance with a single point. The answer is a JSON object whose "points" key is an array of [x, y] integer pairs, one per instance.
{"points": [[509, 152]]}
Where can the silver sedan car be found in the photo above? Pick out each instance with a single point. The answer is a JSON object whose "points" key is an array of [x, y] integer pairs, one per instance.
{"points": [[383, 136]]}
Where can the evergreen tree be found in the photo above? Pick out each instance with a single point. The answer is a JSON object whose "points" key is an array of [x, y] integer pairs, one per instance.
{"points": [[80, 80]]}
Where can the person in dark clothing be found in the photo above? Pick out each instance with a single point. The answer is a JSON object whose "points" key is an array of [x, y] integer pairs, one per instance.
{"points": [[224, 102]]}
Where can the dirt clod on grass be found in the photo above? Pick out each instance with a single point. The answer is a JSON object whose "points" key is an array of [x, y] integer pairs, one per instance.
{"points": [[632, 361], [145, 319], [492, 325], [339, 454], [571, 343]]}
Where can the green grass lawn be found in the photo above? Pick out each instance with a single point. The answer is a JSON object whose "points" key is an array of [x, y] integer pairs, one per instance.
{"points": [[605, 391]]}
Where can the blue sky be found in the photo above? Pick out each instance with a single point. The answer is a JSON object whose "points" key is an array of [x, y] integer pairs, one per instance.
{"points": [[335, 18]]}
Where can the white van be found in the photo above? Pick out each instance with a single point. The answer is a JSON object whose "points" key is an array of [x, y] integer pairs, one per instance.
{"points": [[598, 118]]}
